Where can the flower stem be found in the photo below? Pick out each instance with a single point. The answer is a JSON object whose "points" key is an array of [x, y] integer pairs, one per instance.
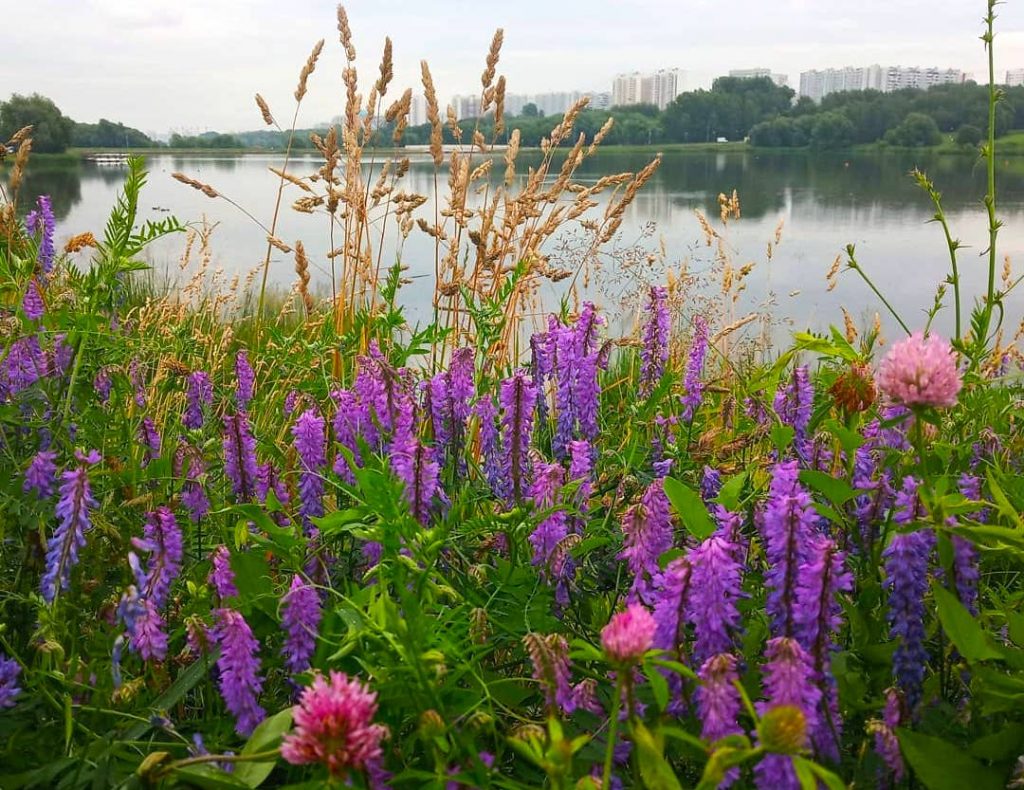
{"points": [[613, 731]]}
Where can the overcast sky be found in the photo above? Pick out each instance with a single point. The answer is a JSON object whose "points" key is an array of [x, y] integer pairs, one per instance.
{"points": [[194, 65]]}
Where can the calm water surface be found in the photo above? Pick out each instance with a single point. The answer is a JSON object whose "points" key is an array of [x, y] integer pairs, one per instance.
{"points": [[823, 201]]}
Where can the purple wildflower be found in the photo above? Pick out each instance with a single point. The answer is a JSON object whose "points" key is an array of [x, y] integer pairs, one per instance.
{"points": [[161, 540], [887, 746], [581, 468], [221, 576], [311, 447], [490, 445], [965, 555], [416, 466], [906, 577], [670, 606], [436, 406], [460, 392], [563, 354], [348, 429], [76, 500], [9, 689], [794, 402], [102, 385], [239, 666], [43, 222], [239, 455], [245, 378], [193, 495], [654, 352], [518, 398], [41, 473], [267, 481], [718, 701], [149, 438], [290, 401], [787, 681], [710, 484], [715, 587], [647, 534], [547, 485], [300, 618], [198, 395], [148, 635], [32, 303], [788, 522], [693, 382], [138, 382], [550, 657]]}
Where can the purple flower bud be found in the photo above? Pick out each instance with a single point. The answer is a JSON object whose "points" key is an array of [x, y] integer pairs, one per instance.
{"points": [[647, 534], [490, 446], [76, 500], [41, 473], [965, 556], [42, 221], [10, 670], [794, 403], [550, 657], [300, 618], [199, 395], [349, 428], [102, 385], [518, 398], [546, 539], [32, 303], [161, 540], [654, 352], [148, 636], [149, 438], [240, 455], [221, 576], [311, 447], [715, 588], [693, 382], [245, 378], [718, 700], [415, 465], [290, 400], [239, 666], [138, 382], [710, 484]]}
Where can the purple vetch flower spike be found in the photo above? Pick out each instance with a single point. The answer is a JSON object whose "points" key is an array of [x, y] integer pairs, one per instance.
{"points": [[311, 447], [239, 665], [348, 429], [41, 474], [718, 701], [787, 681], [102, 385], [715, 588], [788, 522], [887, 746], [437, 408], [490, 446], [581, 468], [693, 382], [461, 390], [654, 351], [199, 394], [267, 480], [43, 222], [246, 380], [540, 370], [135, 376], [240, 455], [162, 541], [710, 484], [10, 670], [794, 402], [819, 617], [647, 534], [518, 398], [300, 618], [550, 657], [547, 538], [965, 555], [670, 605], [416, 466], [565, 364], [149, 438], [370, 391], [148, 635], [32, 303], [290, 401], [76, 500], [907, 559], [221, 576], [587, 395]]}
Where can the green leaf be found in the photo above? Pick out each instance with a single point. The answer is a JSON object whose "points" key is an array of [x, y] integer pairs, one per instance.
{"points": [[849, 439], [804, 774], [655, 772], [782, 437], [729, 495], [659, 686], [209, 778], [835, 489], [941, 766], [690, 508], [964, 631], [1003, 745], [265, 737]]}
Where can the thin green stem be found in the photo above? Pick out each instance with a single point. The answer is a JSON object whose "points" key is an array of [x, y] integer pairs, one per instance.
{"points": [[613, 731], [852, 263]]}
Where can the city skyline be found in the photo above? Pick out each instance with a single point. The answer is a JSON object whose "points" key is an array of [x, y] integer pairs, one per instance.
{"points": [[199, 64]]}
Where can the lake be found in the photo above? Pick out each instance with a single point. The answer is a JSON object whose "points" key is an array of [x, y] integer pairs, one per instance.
{"points": [[823, 201]]}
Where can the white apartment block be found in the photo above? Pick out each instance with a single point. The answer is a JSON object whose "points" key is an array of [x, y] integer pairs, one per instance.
{"points": [[817, 84], [1015, 78], [659, 88], [781, 80], [417, 110]]}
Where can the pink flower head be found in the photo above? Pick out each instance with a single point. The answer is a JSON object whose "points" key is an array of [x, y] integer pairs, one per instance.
{"points": [[629, 634], [333, 726], [920, 371]]}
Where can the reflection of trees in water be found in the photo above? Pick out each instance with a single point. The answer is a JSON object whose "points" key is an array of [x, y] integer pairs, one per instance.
{"points": [[61, 181]]}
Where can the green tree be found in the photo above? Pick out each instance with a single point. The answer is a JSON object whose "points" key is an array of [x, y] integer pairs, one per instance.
{"points": [[530, 110], [51, 129], [915, 131], [831, 130], [968, 135]]}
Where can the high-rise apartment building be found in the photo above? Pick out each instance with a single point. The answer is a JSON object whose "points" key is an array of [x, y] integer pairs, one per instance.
{"points": [[658, 87], [1015, 78], [749, 74], [417, 110], [817, 84]]}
